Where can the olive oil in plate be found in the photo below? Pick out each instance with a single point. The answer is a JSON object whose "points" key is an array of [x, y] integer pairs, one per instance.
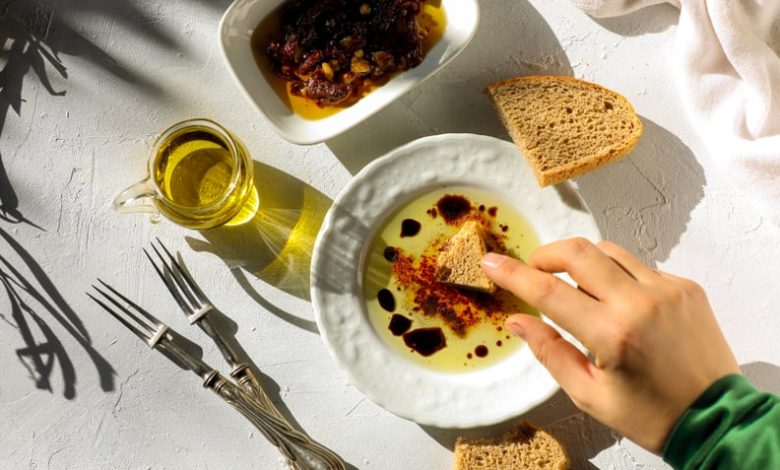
{"points": [[435, 325]]}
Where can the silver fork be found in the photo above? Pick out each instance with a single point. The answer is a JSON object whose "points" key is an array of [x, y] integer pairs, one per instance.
{"points": [[302, 452], [198, 310]]}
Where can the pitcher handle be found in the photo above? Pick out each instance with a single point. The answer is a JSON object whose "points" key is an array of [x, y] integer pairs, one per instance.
{"points": [[136, 199]]}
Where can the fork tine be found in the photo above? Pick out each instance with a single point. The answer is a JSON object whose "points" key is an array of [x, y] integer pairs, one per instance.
{"points": [[155, 322], [184, 275], [139, 322], [172, 288], [159, 336], [183, 287], [127, 324], [156, 268], [158, 329]]}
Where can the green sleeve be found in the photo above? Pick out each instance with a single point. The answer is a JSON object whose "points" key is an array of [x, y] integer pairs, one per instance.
{"points": [[730, 426]]}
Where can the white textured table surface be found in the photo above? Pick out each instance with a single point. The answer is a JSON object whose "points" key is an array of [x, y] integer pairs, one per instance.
{"points": [[85, 86]]}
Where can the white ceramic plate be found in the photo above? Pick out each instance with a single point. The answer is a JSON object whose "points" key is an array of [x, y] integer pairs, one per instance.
{"points": [[235, 35], [466, 399]]}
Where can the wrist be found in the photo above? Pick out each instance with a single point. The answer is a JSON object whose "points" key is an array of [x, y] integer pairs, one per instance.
{"points": [[704, 421]]}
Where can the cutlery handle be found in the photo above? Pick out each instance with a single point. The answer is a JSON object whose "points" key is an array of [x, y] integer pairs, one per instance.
{"points": [[302, 452], [246, 379]]}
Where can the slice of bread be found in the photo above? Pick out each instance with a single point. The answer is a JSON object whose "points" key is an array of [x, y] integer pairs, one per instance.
{"points": [[563, 126], [525, 448], [459, 261]]}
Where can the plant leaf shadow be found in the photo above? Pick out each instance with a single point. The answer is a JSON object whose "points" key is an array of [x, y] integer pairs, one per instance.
{"points": [[32, 39], [558, 416], [454, 101], [31, 36], [124, 11], [35, 297], [23, 52], [644, 202], [276, 244], [65, 40]]}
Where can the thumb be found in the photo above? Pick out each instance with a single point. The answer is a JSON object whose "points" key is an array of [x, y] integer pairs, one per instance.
{"points": [[567, 365]]}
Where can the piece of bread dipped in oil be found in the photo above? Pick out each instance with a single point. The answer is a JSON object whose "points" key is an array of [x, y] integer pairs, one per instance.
{"points": [[460, 258]]}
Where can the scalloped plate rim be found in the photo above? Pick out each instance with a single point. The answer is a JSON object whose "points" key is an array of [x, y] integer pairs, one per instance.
{"points": [[328, 334]]}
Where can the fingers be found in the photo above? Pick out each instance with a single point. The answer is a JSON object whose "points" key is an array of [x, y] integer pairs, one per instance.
{"points": [[568, 366], [572, 309], [628, 262], [589, 266]]}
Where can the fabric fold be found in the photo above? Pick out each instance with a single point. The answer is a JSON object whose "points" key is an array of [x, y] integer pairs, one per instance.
{"points": [[728, 73]]}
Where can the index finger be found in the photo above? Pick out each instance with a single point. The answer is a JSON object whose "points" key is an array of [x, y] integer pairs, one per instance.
{"points": [[570, 308], [588, 265]]}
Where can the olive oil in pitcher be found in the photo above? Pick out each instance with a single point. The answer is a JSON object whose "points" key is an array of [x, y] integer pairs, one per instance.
{"points": [[200, 177]]}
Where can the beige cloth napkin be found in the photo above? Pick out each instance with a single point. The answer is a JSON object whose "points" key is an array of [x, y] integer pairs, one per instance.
{"points": [[728, 66]]}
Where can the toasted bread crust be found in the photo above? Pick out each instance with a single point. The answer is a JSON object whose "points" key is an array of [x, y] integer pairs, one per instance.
{"points": [[586, 138], [526, 447]]}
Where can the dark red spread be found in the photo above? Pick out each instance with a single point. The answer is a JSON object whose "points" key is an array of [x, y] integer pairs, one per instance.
{"points": [[331, 49]]}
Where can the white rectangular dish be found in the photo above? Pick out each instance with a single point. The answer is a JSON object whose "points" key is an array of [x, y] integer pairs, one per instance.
{"points": [[235, 35]]}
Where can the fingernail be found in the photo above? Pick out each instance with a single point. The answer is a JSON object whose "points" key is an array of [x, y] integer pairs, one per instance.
{"points": [[493, 260], [515, 328]]}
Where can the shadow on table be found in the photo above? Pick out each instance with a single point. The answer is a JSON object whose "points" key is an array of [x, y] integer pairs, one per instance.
{"points": [[217, 5], [582, 436], [648, 20], [33, 40], [32, 300], [763, 375], [644, 201], [228, 330], [276, 244], [21, 26], [512, 39]]}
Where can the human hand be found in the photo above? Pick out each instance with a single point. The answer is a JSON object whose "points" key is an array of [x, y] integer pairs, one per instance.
{"points": [[655, 340]]}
